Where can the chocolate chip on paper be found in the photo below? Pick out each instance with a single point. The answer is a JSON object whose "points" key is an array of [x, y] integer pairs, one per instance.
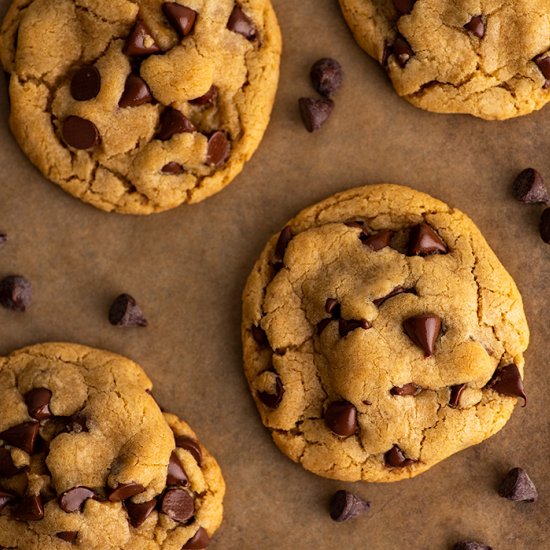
{"points": [[529, 187], [15, 293], [545, 226], [327, 76], [315, 112], [471, 545], [345, 506], [125, 312], [518, 486]]}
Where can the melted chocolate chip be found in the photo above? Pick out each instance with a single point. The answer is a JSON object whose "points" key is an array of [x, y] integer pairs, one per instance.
{"points": [[378, 241], [140, 41], [126, 490], [345, 326], [209, 98], [218, 149], [395, 292], [136, 92], [176, 473], [476, 26], [173, 168], [424, 241], [7, 466], [402, 51], [456, 392], [327, 76], [315, 112], [22, 436], [259, 335], [174, 122], [322, 325], [543, 63], [86, 83], [240, 23], [517, 486], [5, 499], [38, 403], [182, 19], [423, 330], [545, 225], [178, 505], [529, 187], [332, 307], [345, 506], [80, 133], [125, 312], [191, 445], [29, 508], [507, 381], [341, 418], [73, 500], [67, 536], [138, 513], [406, 390], [15, 293], [199, 540], [283, 241], [404, 6], [395, 458], [273, 400]]}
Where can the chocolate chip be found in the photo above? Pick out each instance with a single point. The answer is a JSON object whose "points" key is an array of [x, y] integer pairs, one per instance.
{"points": [[73, 500], [395, 458], [80, 133], [15, 293], [424, 241], [191, 445], [259, 335], [218, 149], [341, 418], [29, 508], [3, 239], [345, 326], [209, 98], [173, 168], [345, 506], [283, 241], [174, 122], [38, 403], [199, 540], [404, 6], [67, 536], [86, 83], [322, 325], [125, 312], [140, 41], [406, 390], [517, 486], [327, 76], [125, 490], [543, 63], [545, 225], [402, 51], [176, 473], [178, 505], [136, 92], [240, 23], [138, 513], [273, 400], [507, 381], [367, 402], [332, 307], [181, 18], [529, 187], [456, 392], [471, 545], [476, 26], [378, 241], [22, 436], [315, 112], [7, 466], [423, 330]]}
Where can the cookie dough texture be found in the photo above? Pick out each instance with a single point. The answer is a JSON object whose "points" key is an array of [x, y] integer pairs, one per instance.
{"points": [[105, 430], [452, 69], [43, 43], [297, 362]]}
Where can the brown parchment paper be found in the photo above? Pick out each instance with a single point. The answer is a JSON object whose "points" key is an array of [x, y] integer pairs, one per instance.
{"points": [[187, 269]]}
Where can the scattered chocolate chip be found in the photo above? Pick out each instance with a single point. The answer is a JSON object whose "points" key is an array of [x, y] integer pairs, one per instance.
{"points": [[424, 241], [7, 467], [3, 239], [86, 83], [191, 445], [73, 500], [404, 6], [29, 508], [218, 149], [178, 504], [136, 92], [345, 506], [174, 122], [273, 400], [38, 403], [80, 133], [5, 499], [181, 18], [176, 473], [529, 187], [315, 112], [125, 312], [423, 330], [15, 293], [378, 241], [138, 513], [476, 26], [209, 98], [345, 326], [173, 168], [517, 486], [259, 335], [199, 540], [545, 225], [456, 392], [125, 490], [543, 63], [240, 23], [402, 51], [341, 418], [507, 381], [327, 76], [332, 307], [471, 545], [22, 436], [406, 390], [140, 41], [283, 241], [395, 458], [67, 536]]}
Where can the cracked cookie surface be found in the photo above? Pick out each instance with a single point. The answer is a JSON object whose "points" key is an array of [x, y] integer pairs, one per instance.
{"points": [[487, 58], [88, 458], [137, 106], [381, 335]]}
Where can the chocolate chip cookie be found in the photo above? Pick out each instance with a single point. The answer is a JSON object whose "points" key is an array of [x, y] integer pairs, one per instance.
{"points": [[88, 458], [487, 59], [381, 335], [139, 106]]}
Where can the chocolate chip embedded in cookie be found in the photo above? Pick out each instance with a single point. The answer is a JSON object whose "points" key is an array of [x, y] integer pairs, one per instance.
{"points": [[381, 335], [137, 107], [87, 457]]}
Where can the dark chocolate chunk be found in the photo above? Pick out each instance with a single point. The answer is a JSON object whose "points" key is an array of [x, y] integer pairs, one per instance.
{"points": [[7, 467], [456, 392], [125, 490], [173, 168], [476, 26], [345, 506], [259, 335], [86, 83], [315, 112], [471, 545], [424, 241], [199, 540], [138, 513], [284, 239], [218, 149], [395, 458], [22, 436], [341, 418], [176, 473], [406, 390], [140, 41], [29, 508], [529, 187], [327, 76], [545, 225], [543, 63], [273, 400], [174, 122], [240, 23], [38, 403], [404, 6], [209, 98], [67, 536], [15, 293], [517, 486], [402, 51], [191, 445], [423, 330], [178, 504], [136, 92], [80, 133], [73, 500], [125, 312], [181, 18], [5, 499], [507, 381], [345, 326], [378, 241]]}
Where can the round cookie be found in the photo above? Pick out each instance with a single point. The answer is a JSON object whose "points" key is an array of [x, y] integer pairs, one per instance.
{"points": [[485, 58], [381, 335], [139, 106], [88, 458]]}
